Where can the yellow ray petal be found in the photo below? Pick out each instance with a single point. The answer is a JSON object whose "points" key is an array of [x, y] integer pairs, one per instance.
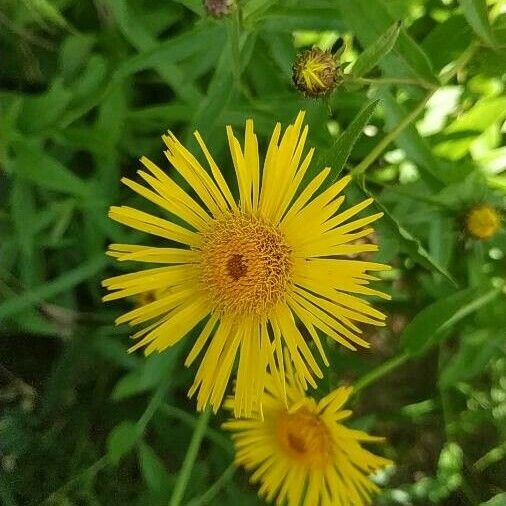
{"points": [[218, 177], [150, 224]]}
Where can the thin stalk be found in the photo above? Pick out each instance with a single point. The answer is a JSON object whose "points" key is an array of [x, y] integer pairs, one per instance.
{"points": [[212, 491], [87, 474], [189, 460], [445, 404], [419, 198], [460, 63], [448, 420], [491, 457], [393, 80], [189, 420], [390, 137], [380, 371], [234, 34], [153, 405]]}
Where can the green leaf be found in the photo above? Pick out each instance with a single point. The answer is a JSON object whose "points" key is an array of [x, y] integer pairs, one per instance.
{"points": [[368, 20], [434, 323], [121, 440], [447, 41], [35, 165], [111, 350], [410, 244], [337, 155], [474, 354], [172, 50], [376, 51], [66, 281], [220, 89], [194, 5], [23, 214], [476, 13], [73, 54], [442, 240], [289, 19], [143, 40], [462, 132], [153, 470], [147, 376], [86, 88], [48, 12], [254, 8], [449, 473], [40, 113], [282, 52], [415, 146], [498, 500]]}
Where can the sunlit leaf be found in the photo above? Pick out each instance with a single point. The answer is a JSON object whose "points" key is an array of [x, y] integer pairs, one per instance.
{"points": [[375, 52]]}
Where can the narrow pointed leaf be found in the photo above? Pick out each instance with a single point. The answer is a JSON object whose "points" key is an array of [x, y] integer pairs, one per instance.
{"points": [[476, 13], [376, 51], [434, 323]]}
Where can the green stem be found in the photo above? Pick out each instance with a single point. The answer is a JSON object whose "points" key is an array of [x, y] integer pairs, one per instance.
{"points": [[393, 80], [153, 405], [448, 420], [491, 457], [157, 400], [211, 492], [445, 402], [419, 198], [460, 62], [390, 137], [234, 34], [377, 373], [87, 474], [189, 460], [189, 420]]}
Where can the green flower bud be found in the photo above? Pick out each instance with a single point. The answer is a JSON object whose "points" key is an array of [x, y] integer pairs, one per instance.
{"points": [[315, 72]]}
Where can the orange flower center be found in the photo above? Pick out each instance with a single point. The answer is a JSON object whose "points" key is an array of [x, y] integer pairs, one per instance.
{"points": [[246, 264], [305, 438], [483, 222]]}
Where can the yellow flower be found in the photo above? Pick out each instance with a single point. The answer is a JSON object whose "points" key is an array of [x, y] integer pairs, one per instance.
{"points": [[247, 275], [301, 453], [483, 221]]}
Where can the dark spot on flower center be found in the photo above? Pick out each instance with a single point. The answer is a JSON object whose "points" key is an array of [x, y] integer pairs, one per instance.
{"points": [[296, 443], [236, 267]]}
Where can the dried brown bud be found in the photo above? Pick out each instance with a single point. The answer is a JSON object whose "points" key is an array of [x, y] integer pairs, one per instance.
{"points": [[219, 8]]}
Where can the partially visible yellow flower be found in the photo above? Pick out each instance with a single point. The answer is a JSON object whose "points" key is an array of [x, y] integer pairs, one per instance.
{"points": [[315, 72], [482, 221], [248, 275], [301, 453]]}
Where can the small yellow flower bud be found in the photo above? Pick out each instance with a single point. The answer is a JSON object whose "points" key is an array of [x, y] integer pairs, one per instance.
{"points": [[315, 72], [482, 221], [219, 8]]}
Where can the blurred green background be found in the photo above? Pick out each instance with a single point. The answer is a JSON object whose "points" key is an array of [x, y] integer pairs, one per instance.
{"points": [[87, 87]]}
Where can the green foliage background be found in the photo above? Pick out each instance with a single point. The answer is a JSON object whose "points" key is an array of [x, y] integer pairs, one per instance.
{"points": [[87, 87]]}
